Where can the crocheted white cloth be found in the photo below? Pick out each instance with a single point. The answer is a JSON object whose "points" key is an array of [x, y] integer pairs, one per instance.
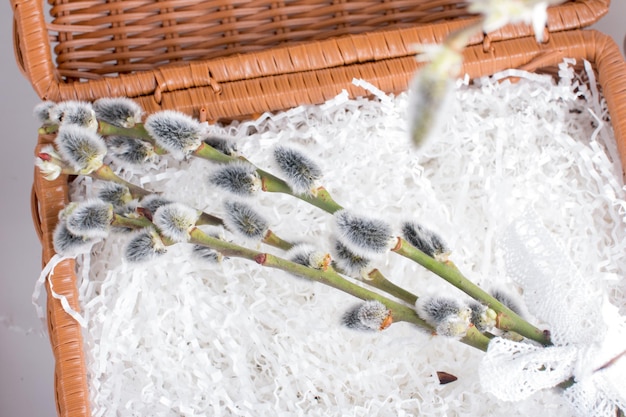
{"points": [[587, 331]]}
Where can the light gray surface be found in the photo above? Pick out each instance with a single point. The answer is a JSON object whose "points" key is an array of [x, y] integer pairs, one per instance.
{"points": [[26, 362]]}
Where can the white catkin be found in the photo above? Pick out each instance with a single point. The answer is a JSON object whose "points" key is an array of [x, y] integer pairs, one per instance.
{"points": [[175, 336]]}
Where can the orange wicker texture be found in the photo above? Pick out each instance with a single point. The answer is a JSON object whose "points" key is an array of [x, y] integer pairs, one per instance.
{"points": [[232, 60], [95, 38]]}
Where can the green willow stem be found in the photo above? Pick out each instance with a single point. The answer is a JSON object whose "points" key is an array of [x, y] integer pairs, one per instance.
{"points": [[270, 238], [276, 241], [209, 153], [209, 219], [506, 320], [271, 183], [105, 173], [130, 222], [377, 280], [321, 199], [138, 131], [329, 277]]}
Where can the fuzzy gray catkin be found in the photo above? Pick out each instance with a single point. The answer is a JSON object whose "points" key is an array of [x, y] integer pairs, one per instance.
{"points": [[363, 235], [91, 219], [144, 246], [238, 178], [175, 132], [81, 148], [241, 219], [300, 171], [118, 111]]}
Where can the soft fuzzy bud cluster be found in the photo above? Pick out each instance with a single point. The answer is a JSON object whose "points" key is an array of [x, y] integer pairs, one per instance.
{"points": [[118, 111], [130, 150], [116, 194], [301, 172], [176, 132], [66, 243], [349, 262], [152, 203], [82, 149], [448, 316], [80, 226], [498, 13], [370, 315], [144, 246], [42, 112], [206, 254], [431, 91], [175, 221], [90, 219], [482, 317], [238, 178], [308, 255], [74, 113], [49, 162], [225, 146], [363, 235], [241, 219], [425, 240]]}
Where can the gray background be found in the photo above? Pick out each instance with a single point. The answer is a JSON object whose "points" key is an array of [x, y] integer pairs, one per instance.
{"points": [[26, 362]]}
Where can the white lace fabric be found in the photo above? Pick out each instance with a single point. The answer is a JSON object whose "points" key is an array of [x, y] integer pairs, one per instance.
{"points": [[586, 330]]}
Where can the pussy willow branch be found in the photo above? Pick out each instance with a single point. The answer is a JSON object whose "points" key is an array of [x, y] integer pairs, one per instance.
{"points": [[105, 173], [270, 182], [508, 319], [377, 280], [106, 129], [399, 312], [331, 278]]}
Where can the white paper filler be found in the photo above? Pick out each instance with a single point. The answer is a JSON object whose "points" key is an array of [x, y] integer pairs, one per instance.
{"points": [[180, 338]]}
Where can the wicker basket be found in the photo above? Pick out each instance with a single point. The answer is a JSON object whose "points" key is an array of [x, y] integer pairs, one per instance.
{"points": [[223, 60]]}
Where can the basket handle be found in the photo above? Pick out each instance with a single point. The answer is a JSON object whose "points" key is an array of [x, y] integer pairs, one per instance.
{"points": [[19, 59], [31, 46]]}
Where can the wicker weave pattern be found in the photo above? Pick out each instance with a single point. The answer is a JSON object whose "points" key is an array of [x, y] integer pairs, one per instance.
{"points": [[96, 38]]}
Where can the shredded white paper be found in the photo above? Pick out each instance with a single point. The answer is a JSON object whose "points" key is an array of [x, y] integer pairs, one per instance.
{"points": [[177, 337]]}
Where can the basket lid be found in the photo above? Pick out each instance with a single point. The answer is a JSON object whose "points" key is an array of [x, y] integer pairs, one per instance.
{"points": [[136, 48]]}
